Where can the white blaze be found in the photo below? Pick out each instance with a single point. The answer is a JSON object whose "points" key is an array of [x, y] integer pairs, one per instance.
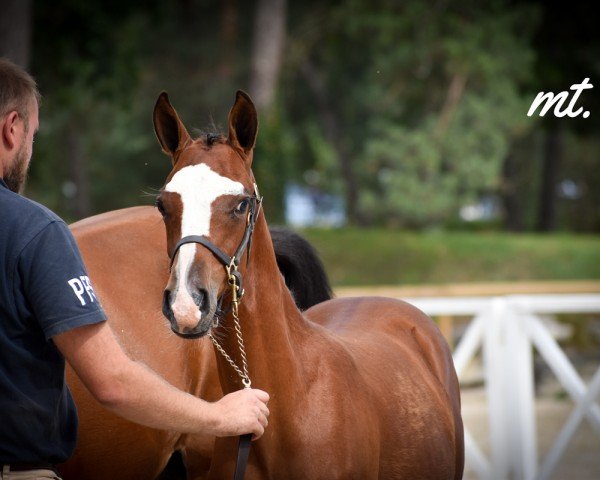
{"points": [[198, 186]]}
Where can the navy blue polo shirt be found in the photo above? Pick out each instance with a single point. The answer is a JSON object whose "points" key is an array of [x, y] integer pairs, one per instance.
{"points": [[44, 291]]}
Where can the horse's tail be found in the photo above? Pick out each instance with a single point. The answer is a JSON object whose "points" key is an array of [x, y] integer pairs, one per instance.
{"points": [[301, 267]]}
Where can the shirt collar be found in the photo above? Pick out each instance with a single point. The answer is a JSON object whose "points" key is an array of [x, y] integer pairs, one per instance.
{"points": [[2, 184]]}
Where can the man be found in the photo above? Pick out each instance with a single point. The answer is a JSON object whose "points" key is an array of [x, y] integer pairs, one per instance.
{"points": [[43, 322]]}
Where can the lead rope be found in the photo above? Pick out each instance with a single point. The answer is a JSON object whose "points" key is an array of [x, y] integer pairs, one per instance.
{"points": [[236, 294]]}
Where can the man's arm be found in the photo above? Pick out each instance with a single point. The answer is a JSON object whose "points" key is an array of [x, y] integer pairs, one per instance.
{"points": [[135, 392]]}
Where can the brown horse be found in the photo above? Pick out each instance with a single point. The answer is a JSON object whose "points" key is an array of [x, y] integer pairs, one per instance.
{"points": [[360, 388], [124, 253]]}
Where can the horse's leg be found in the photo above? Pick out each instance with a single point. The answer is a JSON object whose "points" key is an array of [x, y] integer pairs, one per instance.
{"points": [[197, 450], [197, 463]]}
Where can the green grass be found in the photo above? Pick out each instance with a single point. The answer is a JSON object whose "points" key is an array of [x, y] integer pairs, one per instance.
{"points": [[387, 257]]}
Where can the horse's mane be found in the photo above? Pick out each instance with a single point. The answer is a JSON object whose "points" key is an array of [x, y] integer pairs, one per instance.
{"points": [[301, 267]]}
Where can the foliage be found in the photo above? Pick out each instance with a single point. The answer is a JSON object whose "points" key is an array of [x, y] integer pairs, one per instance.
{"points": [[422, 100], [430, 100], [86, 58], [101, 64]]}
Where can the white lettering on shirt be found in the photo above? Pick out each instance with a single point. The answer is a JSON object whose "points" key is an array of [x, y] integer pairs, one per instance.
{"points": [[81, 285], [88, 288]]}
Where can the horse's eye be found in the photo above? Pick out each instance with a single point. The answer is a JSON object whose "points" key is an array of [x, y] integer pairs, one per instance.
{"points": [[161, 207], [242, 207]]}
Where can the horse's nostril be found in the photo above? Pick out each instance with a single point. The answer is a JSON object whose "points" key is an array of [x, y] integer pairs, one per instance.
{"points": [[202, 300], [166, 307]]}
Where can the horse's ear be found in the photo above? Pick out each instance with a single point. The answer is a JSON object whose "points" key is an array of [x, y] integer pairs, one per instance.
{"points": [[243, 123], [170, 131]]}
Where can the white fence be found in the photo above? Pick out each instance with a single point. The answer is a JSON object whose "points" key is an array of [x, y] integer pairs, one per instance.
{"points": [[507, 329]]}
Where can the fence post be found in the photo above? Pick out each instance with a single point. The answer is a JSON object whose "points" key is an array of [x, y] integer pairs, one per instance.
{"points": [[447, 329], [494, 355], [520, 396]]}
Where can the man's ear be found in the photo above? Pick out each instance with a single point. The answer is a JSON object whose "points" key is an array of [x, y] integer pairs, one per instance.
{"points": [[243, 123], [170, 131], [10, 130]]}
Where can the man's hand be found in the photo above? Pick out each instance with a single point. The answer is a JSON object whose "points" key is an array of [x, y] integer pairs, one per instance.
{"points": [[244, 411]]}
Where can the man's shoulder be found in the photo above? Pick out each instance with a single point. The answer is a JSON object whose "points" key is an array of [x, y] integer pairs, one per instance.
{"points": [[23, 218], [16, 205], [42, 213]]}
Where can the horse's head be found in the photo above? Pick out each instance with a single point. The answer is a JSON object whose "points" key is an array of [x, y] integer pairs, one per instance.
{"points": [[205, 202]]}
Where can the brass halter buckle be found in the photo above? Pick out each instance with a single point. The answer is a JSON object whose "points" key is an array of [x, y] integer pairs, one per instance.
{"points": [[234, 280]]}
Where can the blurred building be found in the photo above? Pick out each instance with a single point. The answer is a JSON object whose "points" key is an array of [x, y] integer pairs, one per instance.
{"points": [[310, 207]]}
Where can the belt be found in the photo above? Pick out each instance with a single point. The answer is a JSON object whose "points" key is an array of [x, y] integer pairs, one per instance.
{"points": [[22, 467]]}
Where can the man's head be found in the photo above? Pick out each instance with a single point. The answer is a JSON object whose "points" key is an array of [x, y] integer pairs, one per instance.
{"points": [[19, 100]]}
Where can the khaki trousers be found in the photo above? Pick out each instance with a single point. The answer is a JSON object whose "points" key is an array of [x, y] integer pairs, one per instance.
{"points": [[6, 474]]}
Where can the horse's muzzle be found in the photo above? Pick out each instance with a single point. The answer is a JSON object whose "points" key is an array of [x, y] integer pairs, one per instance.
{"points": [[188, 325]]}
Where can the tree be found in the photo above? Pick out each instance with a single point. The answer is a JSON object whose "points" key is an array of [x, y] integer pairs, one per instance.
{"points": [[568, 50], [85, 58], [15, 31], [426, 97], [557, 153], [268, 42], [406, 110]]}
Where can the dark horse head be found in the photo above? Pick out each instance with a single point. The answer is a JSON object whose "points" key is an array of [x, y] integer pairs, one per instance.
{"points": [[208, 194]]}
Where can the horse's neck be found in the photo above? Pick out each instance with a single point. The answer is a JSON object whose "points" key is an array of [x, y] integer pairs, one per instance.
{"points": [[271, 323]]}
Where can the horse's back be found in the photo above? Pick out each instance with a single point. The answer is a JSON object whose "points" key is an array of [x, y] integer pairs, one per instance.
{"points": [[382, 334], [119, 234], [379, 320]]}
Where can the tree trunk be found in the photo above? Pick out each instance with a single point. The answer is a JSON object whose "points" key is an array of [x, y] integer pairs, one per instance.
{"points": [[267, 50], [229, 29], [82, 205], [453, 98], [334, 137], [513, 218], [15, 31], [552, 156]]}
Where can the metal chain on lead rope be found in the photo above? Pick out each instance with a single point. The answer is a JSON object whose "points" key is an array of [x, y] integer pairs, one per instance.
{"points": [[236, 296]]}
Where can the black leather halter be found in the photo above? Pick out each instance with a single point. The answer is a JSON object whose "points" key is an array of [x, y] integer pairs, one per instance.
{"points": [[255, 202]]}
